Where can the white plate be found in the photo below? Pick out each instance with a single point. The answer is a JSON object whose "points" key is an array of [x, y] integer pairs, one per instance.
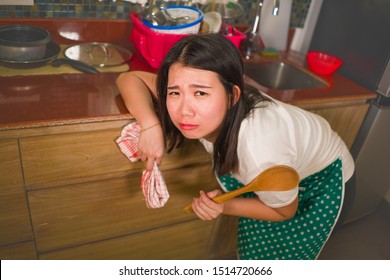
{"points": [[213, 21]]}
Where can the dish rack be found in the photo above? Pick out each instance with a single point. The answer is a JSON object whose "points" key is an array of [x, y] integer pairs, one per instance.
{"points": [[153, 46]]}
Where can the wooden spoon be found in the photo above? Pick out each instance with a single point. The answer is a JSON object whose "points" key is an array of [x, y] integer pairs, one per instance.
{"points": [[275, 178]]}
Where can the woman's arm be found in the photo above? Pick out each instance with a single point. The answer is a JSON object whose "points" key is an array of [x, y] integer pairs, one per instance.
{"points": [[207, 209], [138, 90], [254, 208]]}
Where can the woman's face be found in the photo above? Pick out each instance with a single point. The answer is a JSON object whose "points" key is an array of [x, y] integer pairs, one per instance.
{"points": [[196, 102]]}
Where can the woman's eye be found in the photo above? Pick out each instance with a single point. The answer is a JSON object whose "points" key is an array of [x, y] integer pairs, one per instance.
{"points": [[173, 93], [200, 93]]}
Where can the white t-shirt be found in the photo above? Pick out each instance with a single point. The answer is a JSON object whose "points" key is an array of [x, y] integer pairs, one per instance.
{"points": [[283, 134]]}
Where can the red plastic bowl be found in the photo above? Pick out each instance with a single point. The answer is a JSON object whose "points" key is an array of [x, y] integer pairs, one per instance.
{"points": [[322, 63]]}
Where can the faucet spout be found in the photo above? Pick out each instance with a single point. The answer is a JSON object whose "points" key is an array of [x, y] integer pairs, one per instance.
{"points": [[253, 42], [256, 23], [275, 9]]}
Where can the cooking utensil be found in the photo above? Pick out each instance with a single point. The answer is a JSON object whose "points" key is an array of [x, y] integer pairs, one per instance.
{"points": [[23, 42], [173, 20], [154, 16], [52, 50], [192, 25], [275, 178], [158, 14], [78, 65], [98, 54]]}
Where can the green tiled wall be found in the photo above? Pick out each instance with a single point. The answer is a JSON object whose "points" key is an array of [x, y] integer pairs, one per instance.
{"points": [[107, 9]]}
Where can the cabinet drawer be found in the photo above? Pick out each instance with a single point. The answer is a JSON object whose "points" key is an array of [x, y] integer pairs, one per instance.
{"points": [[346, 121], [64, 159], [10, 167], [20, 251], [77, 214], [14, 217], [185, 241]]}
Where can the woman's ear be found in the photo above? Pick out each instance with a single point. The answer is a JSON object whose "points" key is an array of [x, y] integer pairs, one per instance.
{"points": [[236, 94]]}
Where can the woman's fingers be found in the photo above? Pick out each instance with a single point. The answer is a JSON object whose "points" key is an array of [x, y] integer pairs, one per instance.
{"points": [[214, 193], [150, 164], [158, 160], [205, 208], [151, 147]]}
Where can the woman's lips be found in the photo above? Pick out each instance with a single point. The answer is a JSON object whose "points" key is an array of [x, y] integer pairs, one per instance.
{"points": [[186, 126]]}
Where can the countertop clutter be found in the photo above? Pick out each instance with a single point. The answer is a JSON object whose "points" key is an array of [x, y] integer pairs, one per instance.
{"points": [[46, 68], [49, 99]]}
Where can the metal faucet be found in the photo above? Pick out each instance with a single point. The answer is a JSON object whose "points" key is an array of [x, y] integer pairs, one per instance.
{"points": [[275, 9], [253, 42]]}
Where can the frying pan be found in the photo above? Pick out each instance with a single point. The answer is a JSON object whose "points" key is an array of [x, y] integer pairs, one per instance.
{"points": [[52, 51]]}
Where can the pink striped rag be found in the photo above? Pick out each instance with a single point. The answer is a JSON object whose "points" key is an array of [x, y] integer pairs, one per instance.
{"points": [[152, 183]]}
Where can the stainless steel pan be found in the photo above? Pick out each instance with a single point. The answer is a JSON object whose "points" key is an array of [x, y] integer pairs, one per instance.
{"points": [[52, 50]]}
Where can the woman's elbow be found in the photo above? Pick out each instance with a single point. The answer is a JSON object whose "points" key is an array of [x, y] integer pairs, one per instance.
{"points": [[289, 211], [287, 216], [122, 77]]}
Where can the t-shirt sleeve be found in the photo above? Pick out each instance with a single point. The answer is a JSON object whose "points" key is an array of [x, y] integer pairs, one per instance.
{"points": [[278, 199], [261, 146]]}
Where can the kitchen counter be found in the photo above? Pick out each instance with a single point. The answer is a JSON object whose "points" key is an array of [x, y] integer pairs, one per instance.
{"points": [[47, 100]]}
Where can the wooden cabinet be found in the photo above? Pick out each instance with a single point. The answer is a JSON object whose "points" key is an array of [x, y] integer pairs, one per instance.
{"points": [[90, 212], [85, 200], [345, 120], [186, 241], [63, 159], [15, 221], [19, 251]]}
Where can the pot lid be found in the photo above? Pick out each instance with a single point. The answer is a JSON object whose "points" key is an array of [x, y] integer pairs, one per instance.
{"points": [[99, 54]]}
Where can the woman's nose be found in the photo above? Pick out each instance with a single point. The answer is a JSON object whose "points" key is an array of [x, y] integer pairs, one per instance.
{"points": [[186, 107]]}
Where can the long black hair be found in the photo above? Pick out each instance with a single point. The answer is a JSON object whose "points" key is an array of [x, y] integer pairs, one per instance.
{"points": [[211, 52]]}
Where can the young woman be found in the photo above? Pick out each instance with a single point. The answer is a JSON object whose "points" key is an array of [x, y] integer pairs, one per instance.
{"points": [[201, 95]]}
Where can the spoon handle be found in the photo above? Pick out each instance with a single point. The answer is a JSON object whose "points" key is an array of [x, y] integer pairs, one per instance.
{"points": [[226, 196]]}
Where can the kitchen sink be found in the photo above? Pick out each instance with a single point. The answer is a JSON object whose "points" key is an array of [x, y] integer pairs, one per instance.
{"points": [[280, 75]]}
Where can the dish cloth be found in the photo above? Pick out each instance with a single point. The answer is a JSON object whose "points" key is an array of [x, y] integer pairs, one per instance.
{"points": [[152, 183]]}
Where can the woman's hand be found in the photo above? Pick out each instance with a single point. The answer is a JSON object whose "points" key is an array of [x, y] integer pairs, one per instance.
{"points": [[205, 208], [138, 89], [151, 146]]}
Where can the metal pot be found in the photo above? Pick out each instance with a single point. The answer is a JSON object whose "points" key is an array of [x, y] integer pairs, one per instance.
{"points": [[23, 42]]}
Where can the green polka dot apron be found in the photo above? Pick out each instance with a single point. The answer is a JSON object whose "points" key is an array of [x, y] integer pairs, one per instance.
{"points": [[303, 236]]}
